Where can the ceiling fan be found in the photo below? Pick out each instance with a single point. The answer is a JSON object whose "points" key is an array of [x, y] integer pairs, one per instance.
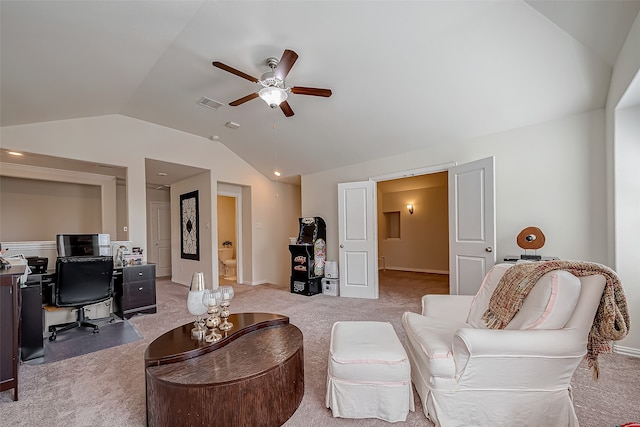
{"points": [[274, 91]]}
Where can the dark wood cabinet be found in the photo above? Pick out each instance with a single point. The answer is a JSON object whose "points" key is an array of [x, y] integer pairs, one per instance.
{"points": [[134, 290]]}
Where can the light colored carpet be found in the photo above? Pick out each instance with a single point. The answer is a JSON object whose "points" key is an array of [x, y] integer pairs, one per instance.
{"points": [[106, 388]]}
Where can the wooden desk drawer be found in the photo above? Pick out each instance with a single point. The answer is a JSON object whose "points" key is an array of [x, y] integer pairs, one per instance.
{"points": [[139, 294]]}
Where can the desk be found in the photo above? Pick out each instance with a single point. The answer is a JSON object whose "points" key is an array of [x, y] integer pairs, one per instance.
{"points": [[134, 293], [253, 376], [9, 325]]}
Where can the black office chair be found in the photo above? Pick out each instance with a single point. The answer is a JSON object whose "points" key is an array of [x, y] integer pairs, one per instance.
{"points": [[81, 281]]}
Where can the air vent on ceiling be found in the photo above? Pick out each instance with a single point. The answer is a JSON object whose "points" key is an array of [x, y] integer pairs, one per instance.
{"points": [[207, 102]]}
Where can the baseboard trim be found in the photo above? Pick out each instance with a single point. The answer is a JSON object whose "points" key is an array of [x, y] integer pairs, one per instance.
{"points": [[417, 270], [627, 351]]}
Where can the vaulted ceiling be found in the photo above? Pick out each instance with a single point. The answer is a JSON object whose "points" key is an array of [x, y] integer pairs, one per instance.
{"points": [[404, 75]]}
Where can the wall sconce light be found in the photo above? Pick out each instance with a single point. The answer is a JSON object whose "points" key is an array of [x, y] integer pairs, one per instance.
{"points": [[410, 207]]}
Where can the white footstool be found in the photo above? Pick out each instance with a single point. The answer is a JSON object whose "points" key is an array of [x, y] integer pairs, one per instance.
{"points": [[369, 375]]}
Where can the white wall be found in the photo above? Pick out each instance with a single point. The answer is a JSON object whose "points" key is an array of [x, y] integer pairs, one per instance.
{"points": [[154, 195], [121, 211], [288, 212], [623, 156], [551, 175], [109, 200], [38, 210], [627, 185], [182, 269], [123, 141]]}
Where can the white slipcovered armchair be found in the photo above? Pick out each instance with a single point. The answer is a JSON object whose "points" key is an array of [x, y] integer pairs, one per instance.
{"points": [[468, 375]]}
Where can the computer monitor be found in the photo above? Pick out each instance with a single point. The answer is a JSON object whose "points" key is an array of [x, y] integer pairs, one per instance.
{"points": [[77, 245]]}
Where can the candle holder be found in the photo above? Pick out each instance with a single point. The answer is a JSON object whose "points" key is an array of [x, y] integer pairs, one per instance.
{"points": [[211, 299], [195, 305], [227, 296]]}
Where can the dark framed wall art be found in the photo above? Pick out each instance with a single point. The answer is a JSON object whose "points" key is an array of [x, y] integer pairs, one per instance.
{"points": [[190, 226]]}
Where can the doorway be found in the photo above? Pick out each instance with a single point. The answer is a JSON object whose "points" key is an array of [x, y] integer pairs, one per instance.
{"points": [[227, 240], [229, 225], [471, 231], [413, 224], [413, 233]]}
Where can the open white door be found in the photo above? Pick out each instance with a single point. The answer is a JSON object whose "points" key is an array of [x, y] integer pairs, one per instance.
{"points": [[472, 225], [357, 234]]}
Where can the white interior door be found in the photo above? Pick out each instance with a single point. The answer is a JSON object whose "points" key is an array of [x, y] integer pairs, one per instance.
{"points": [[472, 225], [357, 234], [160, 253]]}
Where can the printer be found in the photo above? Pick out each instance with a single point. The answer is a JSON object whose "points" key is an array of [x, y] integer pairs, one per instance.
{"points": [[38, 265]]}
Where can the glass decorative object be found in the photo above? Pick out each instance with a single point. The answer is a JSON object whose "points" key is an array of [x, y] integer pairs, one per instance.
{"points": [[211, 299], [227, 296], [196, 306]]}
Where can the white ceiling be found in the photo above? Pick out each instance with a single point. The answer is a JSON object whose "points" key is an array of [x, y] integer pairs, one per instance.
{"points": [[404, 75]]}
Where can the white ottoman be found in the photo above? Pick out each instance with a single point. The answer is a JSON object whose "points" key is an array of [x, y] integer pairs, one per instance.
{"points": [[369, 375]]}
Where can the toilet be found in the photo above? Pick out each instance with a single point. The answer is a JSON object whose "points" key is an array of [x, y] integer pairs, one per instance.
{"points": [[227, 263]]}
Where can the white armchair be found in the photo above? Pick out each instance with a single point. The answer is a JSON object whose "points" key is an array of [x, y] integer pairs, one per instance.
{"points": [[468, 375]]}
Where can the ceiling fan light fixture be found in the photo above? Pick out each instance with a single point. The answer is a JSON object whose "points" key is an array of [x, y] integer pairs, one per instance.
{"points": [[273, 96]]}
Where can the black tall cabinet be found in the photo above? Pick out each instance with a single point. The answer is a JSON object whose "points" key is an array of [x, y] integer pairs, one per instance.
{"points": [[308, 257], [31, 319]]}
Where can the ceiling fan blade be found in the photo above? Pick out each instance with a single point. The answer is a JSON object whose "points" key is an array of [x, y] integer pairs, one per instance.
{"points": [[286, 108], [243, 99], [234, 71], [289, 58], [299, 90]]}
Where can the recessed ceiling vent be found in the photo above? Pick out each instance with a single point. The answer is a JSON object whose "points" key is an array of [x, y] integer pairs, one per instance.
{"points": [[207, 102]]}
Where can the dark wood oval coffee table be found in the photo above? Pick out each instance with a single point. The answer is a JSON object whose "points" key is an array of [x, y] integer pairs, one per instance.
{"points": [[254, 376]]}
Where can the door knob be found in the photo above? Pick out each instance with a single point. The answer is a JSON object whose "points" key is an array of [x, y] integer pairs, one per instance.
{"points": [[488, 249], [341, 245]]}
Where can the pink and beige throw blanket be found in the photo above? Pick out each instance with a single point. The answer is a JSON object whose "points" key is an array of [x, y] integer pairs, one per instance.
{"points": [[611, 322]]}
